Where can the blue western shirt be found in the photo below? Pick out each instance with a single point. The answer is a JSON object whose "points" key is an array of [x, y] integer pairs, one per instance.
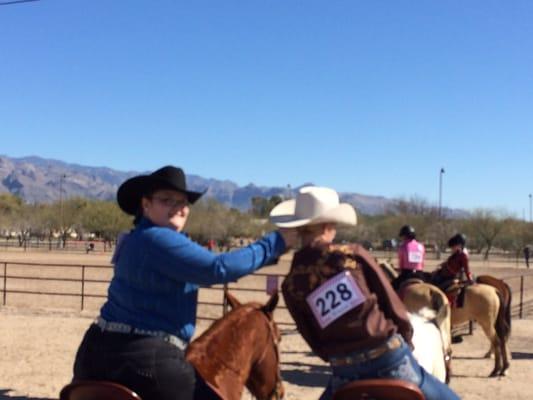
{"points": [[158, 272]]}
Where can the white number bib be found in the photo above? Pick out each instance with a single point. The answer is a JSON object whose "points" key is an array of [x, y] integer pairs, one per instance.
{"points": [[414, 257], [334, 298]]}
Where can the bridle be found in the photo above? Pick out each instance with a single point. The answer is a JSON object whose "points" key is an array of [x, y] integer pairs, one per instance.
{"points": [[277, 391]]}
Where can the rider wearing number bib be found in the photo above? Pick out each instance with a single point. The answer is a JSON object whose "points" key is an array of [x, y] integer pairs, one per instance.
{"points": [[341, 301], [411, 256]]}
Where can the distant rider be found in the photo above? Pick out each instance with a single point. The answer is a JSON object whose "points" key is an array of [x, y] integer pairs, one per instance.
{"points": [[411, 256], [456, 265]]}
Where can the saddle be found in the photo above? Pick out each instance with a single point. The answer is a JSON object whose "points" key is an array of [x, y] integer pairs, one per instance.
{"points": [[379, 389], [97, 390], [455, 290]]}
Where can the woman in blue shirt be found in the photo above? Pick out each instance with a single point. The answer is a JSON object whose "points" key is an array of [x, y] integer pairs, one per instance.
{"points": [[150, 313]]}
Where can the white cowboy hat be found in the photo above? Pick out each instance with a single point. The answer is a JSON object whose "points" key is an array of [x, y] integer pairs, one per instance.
{"points": [[313, 205]]}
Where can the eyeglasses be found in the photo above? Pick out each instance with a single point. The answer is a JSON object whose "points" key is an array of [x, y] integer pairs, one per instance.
{"points": [[171, 202]]}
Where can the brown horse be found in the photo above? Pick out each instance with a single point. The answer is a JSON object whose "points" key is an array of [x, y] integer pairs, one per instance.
{"points": [[240, 349], [488, 307]]}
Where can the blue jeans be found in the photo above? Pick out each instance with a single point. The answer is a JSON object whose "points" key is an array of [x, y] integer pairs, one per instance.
{"points": [[395, 364], [153, 368]]}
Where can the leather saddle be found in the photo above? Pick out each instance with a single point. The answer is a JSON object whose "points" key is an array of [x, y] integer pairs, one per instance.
{"points": [[97, 390], [379, 389], [454, 289]]}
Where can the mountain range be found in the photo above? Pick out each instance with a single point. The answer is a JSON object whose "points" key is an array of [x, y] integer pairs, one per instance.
{"points": [[39, 180]]}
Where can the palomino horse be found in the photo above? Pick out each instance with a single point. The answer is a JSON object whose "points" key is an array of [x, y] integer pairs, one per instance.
{"points": [[240, 349], [415, 298], [484, 304]]}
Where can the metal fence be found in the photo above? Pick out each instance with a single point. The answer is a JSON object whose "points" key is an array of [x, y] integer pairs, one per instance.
{"points": [[56, 244], [84, 287]]}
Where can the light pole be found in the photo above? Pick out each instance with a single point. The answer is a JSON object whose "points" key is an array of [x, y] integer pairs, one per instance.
{"points": [[440, 192], [289, 192], [61, 178], [530, 207]]}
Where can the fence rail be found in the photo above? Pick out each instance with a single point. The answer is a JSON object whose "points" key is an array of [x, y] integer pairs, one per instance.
{"points": [[56, 244], [85, 282]]}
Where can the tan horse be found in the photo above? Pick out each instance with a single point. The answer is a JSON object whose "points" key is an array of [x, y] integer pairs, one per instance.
{"points": [[424, 295], [483, 304]]}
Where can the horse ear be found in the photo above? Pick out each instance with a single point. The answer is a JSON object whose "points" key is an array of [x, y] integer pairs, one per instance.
{"points": [[232, 301], [271, 303]]}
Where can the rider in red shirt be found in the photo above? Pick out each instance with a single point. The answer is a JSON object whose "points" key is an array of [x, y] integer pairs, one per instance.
{"points": [[457, 263]]}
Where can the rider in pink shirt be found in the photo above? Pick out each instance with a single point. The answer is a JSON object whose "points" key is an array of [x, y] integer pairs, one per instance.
{"points": [[411, 256]]}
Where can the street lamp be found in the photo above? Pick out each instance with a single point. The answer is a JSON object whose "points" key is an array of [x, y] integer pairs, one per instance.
{"points": [[440, 191], [530, 207], [61, 179], [289, 192]]}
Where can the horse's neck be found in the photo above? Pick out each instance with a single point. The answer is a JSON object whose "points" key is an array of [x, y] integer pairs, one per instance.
{"points": [[224, 356]]}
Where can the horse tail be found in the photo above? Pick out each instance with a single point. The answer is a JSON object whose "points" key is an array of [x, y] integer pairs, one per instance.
{"points": [[508, 309], [503, 321]]}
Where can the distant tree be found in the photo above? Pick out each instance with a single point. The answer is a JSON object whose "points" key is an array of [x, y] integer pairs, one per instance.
{"points": [[104, 219], [261, 206], [10, 210], [483, 228]]}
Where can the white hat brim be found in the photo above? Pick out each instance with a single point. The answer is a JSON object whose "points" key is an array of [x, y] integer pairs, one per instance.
{"points": [[283, 215]]}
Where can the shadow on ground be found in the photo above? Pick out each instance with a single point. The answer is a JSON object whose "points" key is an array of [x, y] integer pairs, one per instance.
{"points": [[313, 376], [521, 356], [4, 395]]}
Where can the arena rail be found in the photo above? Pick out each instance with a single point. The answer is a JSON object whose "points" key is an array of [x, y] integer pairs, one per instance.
{"points": [[521, 285]]}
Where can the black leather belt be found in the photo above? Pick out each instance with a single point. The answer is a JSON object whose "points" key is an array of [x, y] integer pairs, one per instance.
{"points": [[119, 327], [393, 343]]}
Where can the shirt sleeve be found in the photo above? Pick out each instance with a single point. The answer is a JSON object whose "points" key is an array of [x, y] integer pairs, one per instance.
{"points": [[389, 302], [464, 263], [181, 259]]}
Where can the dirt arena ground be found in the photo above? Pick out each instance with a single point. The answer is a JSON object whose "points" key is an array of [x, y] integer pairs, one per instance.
{"points": [[39, 335]]}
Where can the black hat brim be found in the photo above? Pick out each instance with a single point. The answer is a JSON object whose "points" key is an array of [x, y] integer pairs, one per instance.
{"points": [[130, 193]]}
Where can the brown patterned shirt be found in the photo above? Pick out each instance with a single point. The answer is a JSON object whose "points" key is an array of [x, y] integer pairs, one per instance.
{"points": [[380, 315]]}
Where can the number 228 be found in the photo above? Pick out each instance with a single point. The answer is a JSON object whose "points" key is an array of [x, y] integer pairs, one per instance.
{"points": [[341, 290]]}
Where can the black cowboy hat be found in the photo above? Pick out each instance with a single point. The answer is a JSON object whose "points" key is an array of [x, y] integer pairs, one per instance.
{"points": [[129, 194]]}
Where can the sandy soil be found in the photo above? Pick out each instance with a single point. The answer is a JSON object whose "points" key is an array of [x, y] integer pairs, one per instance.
{"points": [[38, 344]]}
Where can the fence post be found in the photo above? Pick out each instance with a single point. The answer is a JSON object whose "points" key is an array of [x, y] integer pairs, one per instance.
{"points": [[5, 282], [521, 296], [225, 301], [82, 286]]}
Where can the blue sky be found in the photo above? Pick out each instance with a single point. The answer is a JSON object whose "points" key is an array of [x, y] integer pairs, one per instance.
{"points": [[372, 97]]}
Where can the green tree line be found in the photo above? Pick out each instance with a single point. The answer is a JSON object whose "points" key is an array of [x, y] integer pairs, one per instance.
{"points": [[486, 229]]}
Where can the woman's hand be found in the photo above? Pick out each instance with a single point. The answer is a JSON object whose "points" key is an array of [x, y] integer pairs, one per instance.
{"points": [[290, 236]]}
